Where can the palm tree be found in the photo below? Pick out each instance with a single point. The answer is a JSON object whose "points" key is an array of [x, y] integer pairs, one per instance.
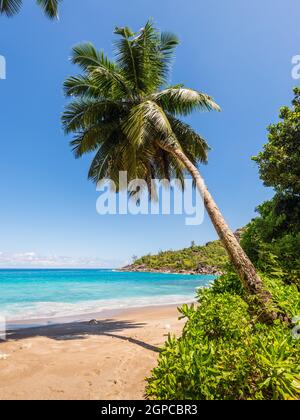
{"points": [[124, 113], [11, 7]]}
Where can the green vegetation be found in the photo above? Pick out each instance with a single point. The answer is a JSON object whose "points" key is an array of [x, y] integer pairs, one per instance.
{"points": [[226, 352], [126, 114], [279, 162], [238, 343], [195, 258], [276, 233], [11, 7], [277, 230]]}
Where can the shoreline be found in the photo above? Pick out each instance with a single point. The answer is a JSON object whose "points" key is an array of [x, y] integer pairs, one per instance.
{"points": [[206, 271], [108, 360], [18, 325], [49, 309]]}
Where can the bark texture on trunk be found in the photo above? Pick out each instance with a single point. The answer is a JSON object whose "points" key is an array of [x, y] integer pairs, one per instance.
{"points": [[244, 267]]}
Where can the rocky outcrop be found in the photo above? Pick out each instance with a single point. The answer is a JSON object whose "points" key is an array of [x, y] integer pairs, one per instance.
{"points": [[142, 268]]}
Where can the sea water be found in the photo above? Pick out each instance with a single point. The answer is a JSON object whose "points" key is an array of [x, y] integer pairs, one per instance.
{"points": [[39, 294]]}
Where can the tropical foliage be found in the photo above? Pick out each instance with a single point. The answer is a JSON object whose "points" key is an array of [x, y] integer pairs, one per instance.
{"points": [[277, 229], [212, 255], [124, 111], [276, 233], [225, 352], [126, 114], [12, 7], [279, 162]]}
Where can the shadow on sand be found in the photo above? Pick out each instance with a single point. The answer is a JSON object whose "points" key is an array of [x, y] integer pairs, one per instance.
{"points": [[82, 330]]}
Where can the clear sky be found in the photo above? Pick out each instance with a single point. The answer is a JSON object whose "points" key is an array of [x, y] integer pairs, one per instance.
{"points": [[239, 52]]}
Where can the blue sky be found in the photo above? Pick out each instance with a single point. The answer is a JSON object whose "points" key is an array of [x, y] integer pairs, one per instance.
{"points": [[239, 52]]}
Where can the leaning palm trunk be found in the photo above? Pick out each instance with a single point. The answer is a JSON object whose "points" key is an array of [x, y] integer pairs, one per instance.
{"points": [[244, 267], [121, 110]]}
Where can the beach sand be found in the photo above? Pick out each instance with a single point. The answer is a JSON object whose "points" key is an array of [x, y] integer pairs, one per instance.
{"points": [[109, 360]]}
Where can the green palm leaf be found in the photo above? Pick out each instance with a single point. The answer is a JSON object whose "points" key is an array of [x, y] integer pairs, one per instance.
{"points": [[99, 71], [147, 120], [84, 113], [50, 7], [123, 112], [12, 7], [183, 101]]}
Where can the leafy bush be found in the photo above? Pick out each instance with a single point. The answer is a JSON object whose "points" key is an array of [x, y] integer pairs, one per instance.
{"points": [[279, 162], [229, 282], [286, 297], [223, 354], [276, 231]]}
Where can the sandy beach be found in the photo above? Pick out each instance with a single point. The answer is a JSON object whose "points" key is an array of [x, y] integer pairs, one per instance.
{"points": [[109, 360]]}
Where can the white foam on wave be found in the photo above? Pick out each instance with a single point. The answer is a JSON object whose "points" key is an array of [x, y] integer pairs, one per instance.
{"points": [[51, 310]]}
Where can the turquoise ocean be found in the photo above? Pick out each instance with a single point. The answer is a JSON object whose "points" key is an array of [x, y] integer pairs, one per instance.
{"points": [[50, 294]]}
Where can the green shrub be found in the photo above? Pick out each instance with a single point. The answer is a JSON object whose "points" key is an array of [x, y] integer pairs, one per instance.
{"points": [[276, 231], [228, 282], [224, 355], [286, 297]]}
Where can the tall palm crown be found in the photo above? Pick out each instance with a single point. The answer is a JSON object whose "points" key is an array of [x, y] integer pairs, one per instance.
{"points": [[125, 113], [11, 7]]}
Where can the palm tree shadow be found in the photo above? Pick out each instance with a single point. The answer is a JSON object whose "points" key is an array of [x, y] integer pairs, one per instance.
{"points": [[135, 341], [81, 331]]}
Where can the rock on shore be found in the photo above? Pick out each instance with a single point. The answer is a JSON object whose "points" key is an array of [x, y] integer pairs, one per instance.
{"points": [[142, 268]]}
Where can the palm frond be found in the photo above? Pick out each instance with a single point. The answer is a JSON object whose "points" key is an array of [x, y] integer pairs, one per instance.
{"points": [[82, 86], [10, 7], [145, 57], [109, 159], [194, 145], [151, 62], [111, 83], [121, 114], [86, 56], [146, 120], [166, 166], [89, 140], [127, 57], [167, 45], [183, 101], [84, 113], [50, 7], [101, 71]]}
